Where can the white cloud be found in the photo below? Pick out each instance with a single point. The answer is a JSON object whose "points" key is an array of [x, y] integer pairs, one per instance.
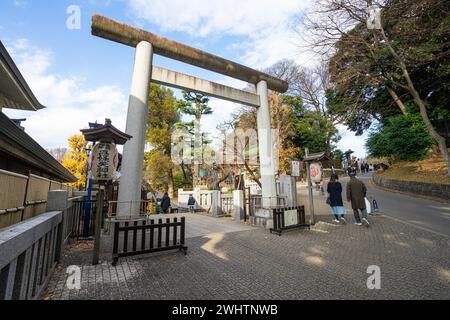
{"points": [[264, 27], [70, 102], [350, 141], [201, 18], [20, 3], [273, 45]]}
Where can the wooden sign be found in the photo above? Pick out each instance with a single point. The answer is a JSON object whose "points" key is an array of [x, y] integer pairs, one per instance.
{"points": [[295, 169]]}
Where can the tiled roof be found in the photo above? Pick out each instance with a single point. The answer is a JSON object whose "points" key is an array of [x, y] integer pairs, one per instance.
{"points": [[20, 145]]}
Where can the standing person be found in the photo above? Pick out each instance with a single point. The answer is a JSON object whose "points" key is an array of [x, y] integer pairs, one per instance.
{"points": [[165, 203], [334, 190], [191, 203], [356, 193], [322, 191]]}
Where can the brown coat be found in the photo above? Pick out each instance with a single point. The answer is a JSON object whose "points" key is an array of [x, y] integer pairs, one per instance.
{"points": [[356, 192]]}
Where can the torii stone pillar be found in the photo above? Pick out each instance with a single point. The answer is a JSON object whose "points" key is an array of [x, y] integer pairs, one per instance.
{"points": [[133, 152], [266, 154]]}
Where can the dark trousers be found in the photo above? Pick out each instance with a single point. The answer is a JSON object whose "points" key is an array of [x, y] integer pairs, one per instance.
{"points": [[356, 213]]}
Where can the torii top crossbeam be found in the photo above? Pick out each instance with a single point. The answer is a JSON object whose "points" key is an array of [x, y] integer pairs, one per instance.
{"points": [[122, 33]]}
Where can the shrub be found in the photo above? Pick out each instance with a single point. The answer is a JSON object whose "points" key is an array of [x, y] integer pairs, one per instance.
{"points": [[405, 137]]}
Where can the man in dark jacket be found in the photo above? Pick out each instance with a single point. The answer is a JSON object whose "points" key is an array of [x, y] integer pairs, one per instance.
{"points": [[356, 193], [165, 203], [191, 203]]}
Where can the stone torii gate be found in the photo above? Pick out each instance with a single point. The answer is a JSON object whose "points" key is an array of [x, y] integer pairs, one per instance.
{"points": [[144, 72]]}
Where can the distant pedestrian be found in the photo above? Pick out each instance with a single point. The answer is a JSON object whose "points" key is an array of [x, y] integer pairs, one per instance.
{"points": [[356, 193], [165, 203], [191, 203], [334, 190]]}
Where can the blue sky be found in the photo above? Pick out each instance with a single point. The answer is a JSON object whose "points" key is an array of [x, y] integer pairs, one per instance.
{"points": [[82, 78]]}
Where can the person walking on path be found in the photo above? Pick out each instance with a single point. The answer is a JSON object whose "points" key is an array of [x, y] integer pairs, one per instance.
{"points": [[165, 203], [356, 193], [191, 204], [334, 190]]}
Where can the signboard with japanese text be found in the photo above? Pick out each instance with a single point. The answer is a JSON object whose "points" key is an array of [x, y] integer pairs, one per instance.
{"points": [[290, 218], [295, 168], [104, 161]]}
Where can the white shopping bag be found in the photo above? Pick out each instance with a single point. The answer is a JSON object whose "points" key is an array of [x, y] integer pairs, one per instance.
{"points": [[368, 206]]}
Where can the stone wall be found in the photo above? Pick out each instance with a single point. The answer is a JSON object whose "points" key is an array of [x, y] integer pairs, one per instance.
{"points": [[441, 191]]}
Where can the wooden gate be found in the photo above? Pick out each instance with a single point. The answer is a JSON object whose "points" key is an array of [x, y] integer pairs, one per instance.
{"points": [[148, 238]]}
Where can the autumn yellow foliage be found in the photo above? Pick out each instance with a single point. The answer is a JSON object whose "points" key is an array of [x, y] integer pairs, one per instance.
{"points": [[76, 160]]}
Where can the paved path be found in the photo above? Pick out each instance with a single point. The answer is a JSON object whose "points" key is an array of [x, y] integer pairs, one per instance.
{"points": [[228, 260], [419, 212]]}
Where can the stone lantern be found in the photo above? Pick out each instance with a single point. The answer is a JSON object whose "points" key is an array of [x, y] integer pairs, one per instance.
{"points": [[104, 163]]}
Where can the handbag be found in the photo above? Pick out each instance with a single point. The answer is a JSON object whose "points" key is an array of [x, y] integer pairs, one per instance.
{"points": [[328, 201], [368, 205]]}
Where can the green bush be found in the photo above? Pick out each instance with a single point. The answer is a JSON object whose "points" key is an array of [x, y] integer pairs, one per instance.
{"points": [[404, 137]]}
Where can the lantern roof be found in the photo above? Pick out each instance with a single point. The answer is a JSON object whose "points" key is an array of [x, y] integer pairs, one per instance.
{"points": [[316, 156], [106, 133]]}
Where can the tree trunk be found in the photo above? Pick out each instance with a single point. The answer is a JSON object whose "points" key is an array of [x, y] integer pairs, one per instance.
{"points": [[197, 150], [439, 139], [184, 172], [252, 174], [418, 100], [218, 182], [196, 175], [397, 100], [170, 183], [423, 112]]}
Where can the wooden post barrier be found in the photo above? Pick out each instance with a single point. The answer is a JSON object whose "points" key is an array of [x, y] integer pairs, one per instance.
{"points": [[170, 241]]}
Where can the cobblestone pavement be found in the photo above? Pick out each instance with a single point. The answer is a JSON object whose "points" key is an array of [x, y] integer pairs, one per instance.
{"points": [[328, 262]]}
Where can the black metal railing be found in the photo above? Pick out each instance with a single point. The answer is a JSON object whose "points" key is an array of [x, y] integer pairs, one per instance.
{"points": [[76, 218], [142, 237]]}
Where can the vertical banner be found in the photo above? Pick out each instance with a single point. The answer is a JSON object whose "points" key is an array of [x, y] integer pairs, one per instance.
{"points": [[316, 172], [295, 169], [104, 161]]}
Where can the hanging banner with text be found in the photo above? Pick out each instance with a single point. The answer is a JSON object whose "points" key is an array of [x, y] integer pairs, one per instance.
{"points": [[104, 161]]}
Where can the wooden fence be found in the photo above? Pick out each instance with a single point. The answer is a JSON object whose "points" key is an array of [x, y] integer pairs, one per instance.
{"points": [[148, 238], [23, 197]]}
